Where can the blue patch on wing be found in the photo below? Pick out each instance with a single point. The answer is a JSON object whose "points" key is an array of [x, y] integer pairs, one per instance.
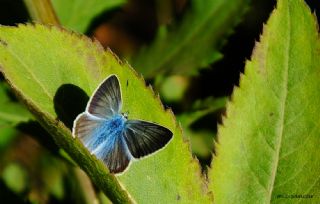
{"points": [[105, 141]]}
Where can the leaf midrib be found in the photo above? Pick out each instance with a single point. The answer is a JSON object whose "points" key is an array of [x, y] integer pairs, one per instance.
{"points": [[32, 75], [283, 101]]}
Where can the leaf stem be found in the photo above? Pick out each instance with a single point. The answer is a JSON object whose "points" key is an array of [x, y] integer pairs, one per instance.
{"points": [[42, 11]]}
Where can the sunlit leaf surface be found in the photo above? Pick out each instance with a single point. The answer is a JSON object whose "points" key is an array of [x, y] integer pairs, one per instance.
{"points": [[55, 80], [268, 145]]}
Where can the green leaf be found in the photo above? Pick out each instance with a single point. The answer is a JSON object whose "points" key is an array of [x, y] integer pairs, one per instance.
{"points": [[201, 109], [7, 135], [71, 61], [15, 177], [268, 146], [201, 140], [78, 14], [172, 88], [11, 113], [194, 42]]}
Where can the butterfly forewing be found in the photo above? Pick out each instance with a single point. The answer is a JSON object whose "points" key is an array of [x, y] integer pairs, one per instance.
{"points": [[106, 100], [143, 138]]}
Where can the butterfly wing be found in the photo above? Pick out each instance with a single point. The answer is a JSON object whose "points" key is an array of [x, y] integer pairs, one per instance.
{"points": [[138, 138], [143, 138], [106, 100], [96, 134], [110, 148], [116, 156]]}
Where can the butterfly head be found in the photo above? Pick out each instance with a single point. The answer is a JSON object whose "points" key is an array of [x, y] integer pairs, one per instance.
{"points": [[125, 115]]}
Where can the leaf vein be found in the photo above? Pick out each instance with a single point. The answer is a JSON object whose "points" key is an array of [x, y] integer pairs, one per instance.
{"points": [[251, 169], [284, 95], [32, 75], [305, 140]]}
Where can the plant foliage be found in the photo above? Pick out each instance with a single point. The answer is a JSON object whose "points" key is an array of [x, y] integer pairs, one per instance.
{"points": [[268, 146], [78, 14], [68, 70], [192, 43]]}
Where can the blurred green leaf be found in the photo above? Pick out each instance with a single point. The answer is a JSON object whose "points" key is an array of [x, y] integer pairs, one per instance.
{"points": [[11, 113], [79, 187], [200, 109], [201, 140], [269, 143], [47, 174], [52, 171], [78, 14], [57, 189], [192, 43], [103, 199], [15, 177], [74, 61], [7, 134], [173, 88]]}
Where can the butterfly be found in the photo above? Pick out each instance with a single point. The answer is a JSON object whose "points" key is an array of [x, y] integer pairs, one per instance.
{"points": [[110, 135]]}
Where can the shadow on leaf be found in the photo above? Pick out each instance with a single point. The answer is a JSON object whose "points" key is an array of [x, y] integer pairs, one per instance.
{"points": [[69, 102]]}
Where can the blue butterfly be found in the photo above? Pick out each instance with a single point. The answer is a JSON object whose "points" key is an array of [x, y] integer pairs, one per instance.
{"points": [[108, 133]]}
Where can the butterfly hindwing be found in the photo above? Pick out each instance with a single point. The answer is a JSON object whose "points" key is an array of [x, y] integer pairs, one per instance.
{"points": [[106, 100], [106, 144], [117, 158], [143, 138]]}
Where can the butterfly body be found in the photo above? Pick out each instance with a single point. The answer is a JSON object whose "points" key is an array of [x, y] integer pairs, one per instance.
{"points": [[110, 136], [106, 134]]}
